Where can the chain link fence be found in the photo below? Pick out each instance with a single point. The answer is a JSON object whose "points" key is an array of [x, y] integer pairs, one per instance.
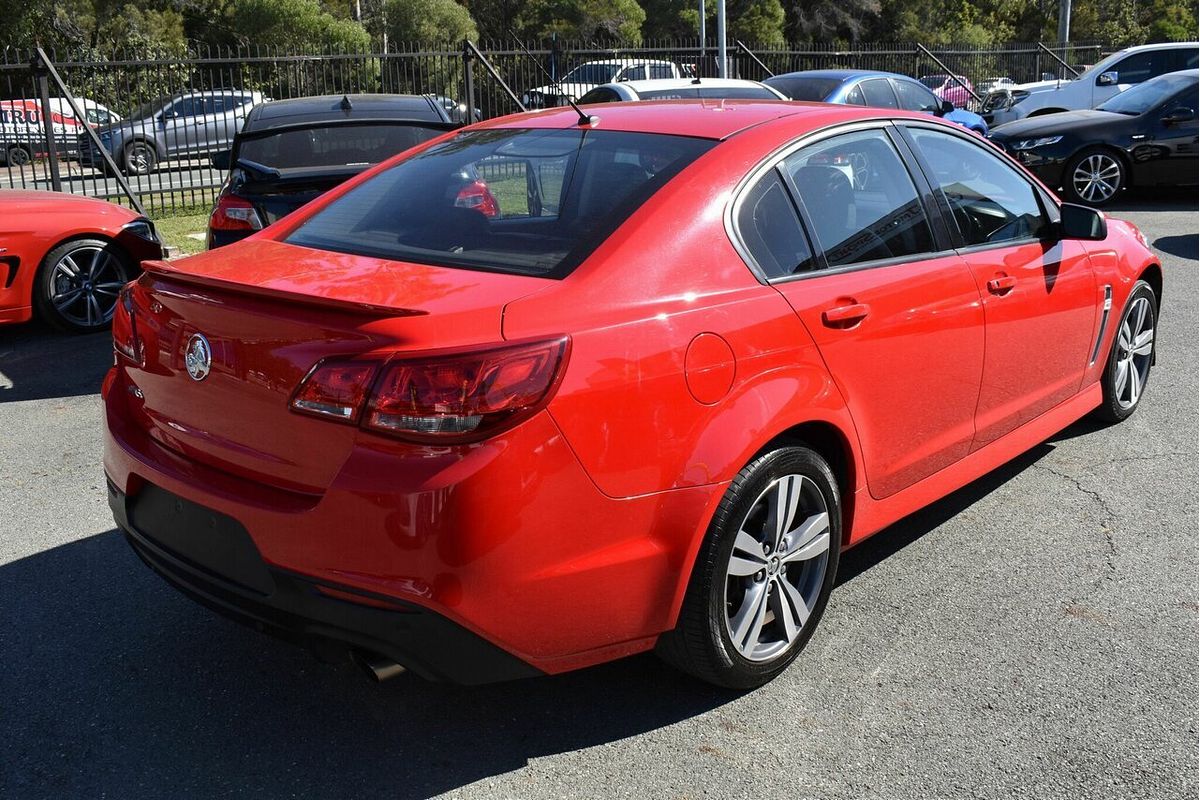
{"points": [[197, 103]]}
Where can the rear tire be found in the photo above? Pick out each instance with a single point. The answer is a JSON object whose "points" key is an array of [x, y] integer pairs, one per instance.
{"points": [[1127, 370], [78, 282], [758, 588], [139, 158]]}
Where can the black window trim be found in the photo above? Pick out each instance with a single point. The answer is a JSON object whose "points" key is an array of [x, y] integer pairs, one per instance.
{"points": [[1049, 206], [933, 212]]}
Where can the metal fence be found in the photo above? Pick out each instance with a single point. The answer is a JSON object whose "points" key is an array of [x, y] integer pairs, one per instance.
{"points": [[133, 87]]}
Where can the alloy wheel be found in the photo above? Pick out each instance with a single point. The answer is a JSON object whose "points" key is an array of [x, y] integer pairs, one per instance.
{"points": [[1135, 348], [777, 567], [1096, 178], [84, 284]]}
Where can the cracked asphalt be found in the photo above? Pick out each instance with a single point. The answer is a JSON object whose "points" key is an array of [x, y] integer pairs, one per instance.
{"points": [[1031, 636]]}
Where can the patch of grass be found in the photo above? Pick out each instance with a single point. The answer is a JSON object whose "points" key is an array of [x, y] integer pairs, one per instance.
{"points": [[175, 230]]}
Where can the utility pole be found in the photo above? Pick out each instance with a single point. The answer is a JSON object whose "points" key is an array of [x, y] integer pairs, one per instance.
{"points": [[700, 70], [722, 61], [1064, 22]]}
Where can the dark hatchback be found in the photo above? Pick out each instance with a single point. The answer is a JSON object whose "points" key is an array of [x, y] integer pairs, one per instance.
{"points": [[290, 151], [1144, 136]]}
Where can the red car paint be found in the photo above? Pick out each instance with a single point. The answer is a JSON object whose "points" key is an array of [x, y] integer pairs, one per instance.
{"points": [[34, 223], [569, 539]]}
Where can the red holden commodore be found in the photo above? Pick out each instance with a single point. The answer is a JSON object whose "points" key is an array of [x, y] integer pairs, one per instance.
{"points": [[699, 350]]}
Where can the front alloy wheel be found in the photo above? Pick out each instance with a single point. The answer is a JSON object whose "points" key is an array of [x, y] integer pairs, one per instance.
{"points": [[1095, 177], [79, 282], [763, 573]]}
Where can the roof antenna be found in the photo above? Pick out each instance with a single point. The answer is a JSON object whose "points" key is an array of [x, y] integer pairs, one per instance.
{"points": [[346, 105], [584, 119]]}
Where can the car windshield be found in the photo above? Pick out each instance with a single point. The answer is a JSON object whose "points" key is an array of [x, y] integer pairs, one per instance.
{"points": [[592, 73], [333, 145], [1139, 99], [816, 89], [533, 202]]}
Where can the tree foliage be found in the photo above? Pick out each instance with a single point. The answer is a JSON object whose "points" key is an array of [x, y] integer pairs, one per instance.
{"points": [[600, 21], [428, 21]]}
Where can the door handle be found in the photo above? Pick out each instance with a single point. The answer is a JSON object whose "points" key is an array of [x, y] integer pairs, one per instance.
{"points": [[1001, 284], [845, 316]]}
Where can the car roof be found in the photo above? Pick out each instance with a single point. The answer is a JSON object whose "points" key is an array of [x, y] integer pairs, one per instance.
{"points": [[704, 119], [624, 62], [1159, 46], [655, 84], [329, 107]]}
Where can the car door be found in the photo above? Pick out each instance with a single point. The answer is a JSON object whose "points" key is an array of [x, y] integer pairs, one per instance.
{"points": [[895, 315], [1040, 298], [1172, 157], [178, 125]]}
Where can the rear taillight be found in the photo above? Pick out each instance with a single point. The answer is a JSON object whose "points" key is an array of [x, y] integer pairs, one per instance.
{"points": [[446, 398], [476, 195], [234, 214], [335, 389], [124, 326]]}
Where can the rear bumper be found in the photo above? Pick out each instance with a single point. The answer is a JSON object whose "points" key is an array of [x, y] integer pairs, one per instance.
{"points": [[299, 609], [508, 544]]}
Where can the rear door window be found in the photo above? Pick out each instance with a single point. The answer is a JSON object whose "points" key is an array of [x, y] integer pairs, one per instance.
{"points": [[860, 199], [878, 93], [770, 228], [533, 202], [661, 71], [855, 96]]}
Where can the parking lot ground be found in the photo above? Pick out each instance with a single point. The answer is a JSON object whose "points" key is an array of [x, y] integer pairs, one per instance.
{"points": [[1032, 636]]}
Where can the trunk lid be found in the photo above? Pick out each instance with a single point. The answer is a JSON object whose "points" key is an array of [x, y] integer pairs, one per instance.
{"points": [[269, 312]]}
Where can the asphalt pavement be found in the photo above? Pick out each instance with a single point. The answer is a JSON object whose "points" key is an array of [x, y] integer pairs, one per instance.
{"points": [[1033, 635]]}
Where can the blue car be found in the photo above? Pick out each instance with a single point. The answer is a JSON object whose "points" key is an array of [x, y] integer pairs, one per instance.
{"points": [[875, 89]]}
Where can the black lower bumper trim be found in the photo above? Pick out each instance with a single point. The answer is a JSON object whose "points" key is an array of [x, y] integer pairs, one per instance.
{"points": [[293, 607]]}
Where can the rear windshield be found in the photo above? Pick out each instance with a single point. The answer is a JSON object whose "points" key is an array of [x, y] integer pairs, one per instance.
{"points": [[333, 145], [815, 89], [533, 202]]}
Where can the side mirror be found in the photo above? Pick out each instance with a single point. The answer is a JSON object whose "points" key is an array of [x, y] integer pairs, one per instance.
{"points": [[946, 108], [1177, 115], [1107, 79], [221, 159], [1081, 222]]}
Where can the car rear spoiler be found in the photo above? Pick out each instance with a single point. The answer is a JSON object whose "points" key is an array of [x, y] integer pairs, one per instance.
{"points": [[166, 270]]}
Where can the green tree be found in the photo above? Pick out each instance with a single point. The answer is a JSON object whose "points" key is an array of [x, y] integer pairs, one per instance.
{"points": [[755, 21], [674, 19], [829, 20], [300, 25], [605, 21], [428, 21]]}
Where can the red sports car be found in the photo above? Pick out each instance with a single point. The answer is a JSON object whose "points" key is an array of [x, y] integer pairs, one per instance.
{"points": [[65, 257], [645, 405]]}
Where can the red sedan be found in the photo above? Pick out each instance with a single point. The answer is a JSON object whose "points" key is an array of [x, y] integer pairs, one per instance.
{"points": [[645, 405], [65, 257]]}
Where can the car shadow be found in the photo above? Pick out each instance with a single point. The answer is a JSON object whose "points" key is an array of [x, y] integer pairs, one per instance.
{"points": [[1184, 245], [38, 362], [114, 685]]}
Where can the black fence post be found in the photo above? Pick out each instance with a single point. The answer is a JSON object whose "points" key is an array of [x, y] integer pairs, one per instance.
{"points": [[42, 75], [468, 80]]}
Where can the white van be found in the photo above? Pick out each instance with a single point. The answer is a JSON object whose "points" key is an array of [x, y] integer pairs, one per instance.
{"points": [[1111, 76], [23, 134]]}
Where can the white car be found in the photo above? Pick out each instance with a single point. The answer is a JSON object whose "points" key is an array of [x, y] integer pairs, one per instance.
{"points": [[681, 89], [1111, 76], [23, 132], [586, 77]]}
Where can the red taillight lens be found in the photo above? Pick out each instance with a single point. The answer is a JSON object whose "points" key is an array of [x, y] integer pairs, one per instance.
{"points": [[476, 195], [124, 327], [234, 214], [335, 389], [447, 398], [465, 397]]}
